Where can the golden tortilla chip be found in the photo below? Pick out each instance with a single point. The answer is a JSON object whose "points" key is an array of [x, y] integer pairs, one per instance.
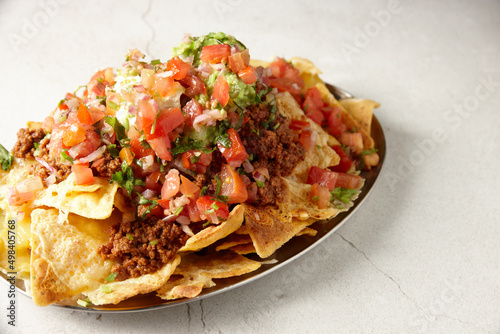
{"points": [[213, 233], [234, 240], [243, 249], [269, 231], [307, 231], [198, 272], [361, 110], [115, 292], [64, 258], [92, 201]]}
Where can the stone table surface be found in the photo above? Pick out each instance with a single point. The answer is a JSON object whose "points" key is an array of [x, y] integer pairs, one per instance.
{"points": [[422, 255]]}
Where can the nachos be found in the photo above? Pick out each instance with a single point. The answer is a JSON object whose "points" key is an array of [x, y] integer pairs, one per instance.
{"points": [[160, 176]]}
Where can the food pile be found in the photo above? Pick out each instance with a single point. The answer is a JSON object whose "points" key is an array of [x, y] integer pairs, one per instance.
{"points": [[161, 176]]}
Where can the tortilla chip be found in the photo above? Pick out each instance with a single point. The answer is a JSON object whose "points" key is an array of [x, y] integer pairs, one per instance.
{"points": [[243, 249], [64, 258], [307, 231], [234, 240], [213, 233], [92, 201], [307, 70], [133, 286], [198, 272], [361, 110], [269, 231]]}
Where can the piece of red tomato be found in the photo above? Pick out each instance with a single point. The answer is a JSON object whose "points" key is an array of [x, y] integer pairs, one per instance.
{"points": [[305, 139], [188, 187], [161, 146], [166, 121], [320, 195], [192, 109], [221, 90], [233, 185], [139, 149], [196, 161], [236, 154], [335, 123], [298, 125], [348, 181], [171, 185], [248, 75], [315, 96], [323, 177], [285, 85], [194, 86], [212, 209], [215, 53], [354, 140], [90, 144], [178, 67], [345, 161], [313, 111], [83, 174], [239, 61]]}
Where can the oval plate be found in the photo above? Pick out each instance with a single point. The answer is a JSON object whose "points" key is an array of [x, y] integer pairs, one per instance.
{"points": [[292, 250]]}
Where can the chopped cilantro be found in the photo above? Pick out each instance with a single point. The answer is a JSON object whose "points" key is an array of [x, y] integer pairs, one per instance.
{"points": [[112, 105], [203, 191], [367, 152], [125, 178], [113, 150], [209, 211], [219, 185], [130, 237], [111, 277], [65, 156], [83, 303], [188, 144], [318, 147], [255, 131], [153, 242], [223, 139], [206, 224], [315, 198], [6, 158], [155, 61], [214, 206], [117, 126], [260, 184], [276, 126], [178, 210], [343, 194]]}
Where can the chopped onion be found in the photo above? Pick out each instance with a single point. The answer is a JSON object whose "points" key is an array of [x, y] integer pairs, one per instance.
{"points": [[169, 218], [139, 88], [154, 104], [248, 166], [264, 171], [165, 74], [235, 49], [143, 96], [50, 180], [132, 109], [73, 103], [46, 165], [147, 163], [183, 220], [148, 194], [314, 137], [187, 230], [94, 155]]}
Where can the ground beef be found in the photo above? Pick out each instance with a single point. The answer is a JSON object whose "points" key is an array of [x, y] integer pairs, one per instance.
{"points": [[108, 167], [132, 245], [62, 170], [26, 139]]}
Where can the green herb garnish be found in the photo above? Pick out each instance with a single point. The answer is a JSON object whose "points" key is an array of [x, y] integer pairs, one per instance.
{"points": [[111, 277], [125, 178], [106, 289], [153, 242], [260, 184], [343, 194]]}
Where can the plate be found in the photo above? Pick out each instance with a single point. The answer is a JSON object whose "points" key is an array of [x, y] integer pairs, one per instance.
{"points": [[291, 251]]}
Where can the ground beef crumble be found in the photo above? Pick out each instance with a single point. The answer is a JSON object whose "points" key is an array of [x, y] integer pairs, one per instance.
{"points": [[133, 245], [26, 139]]}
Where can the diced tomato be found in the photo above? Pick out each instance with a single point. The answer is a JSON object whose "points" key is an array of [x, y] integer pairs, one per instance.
{"points": [[83, 115], [192, 109], [221, 90], [192, 208], [278, 67], [215, 53], [305, 139], [335, 123], [164, 203], [248, 75], [323, 177], [96, 114], [285, 85], [171, 185], [298, 125], [371, 160], [232, 185], [164, 86], [145, 116], [236, 154], [239, 61], [354, 140], [196, 161], [345, 161], [161, 146], [312, 111], [83, 174], [320, 195], [212, 209], [293, 74], [97, 84], [315, 96], [178, 67], [166, 121], [194, 85], [152, 181], [139, 150], [48, 123], [74, 134], [187, 187], [156, 211], [126, 155], [348, 181], [90, 144]]}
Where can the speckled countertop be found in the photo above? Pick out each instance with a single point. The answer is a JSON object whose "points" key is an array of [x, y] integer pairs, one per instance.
{"points": [[422, 255]]}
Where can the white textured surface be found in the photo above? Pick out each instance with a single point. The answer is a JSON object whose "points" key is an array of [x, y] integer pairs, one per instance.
{"points": [[421, 256]]}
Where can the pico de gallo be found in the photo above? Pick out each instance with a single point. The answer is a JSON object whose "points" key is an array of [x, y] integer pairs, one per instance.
{"points": [[187, 139]]}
